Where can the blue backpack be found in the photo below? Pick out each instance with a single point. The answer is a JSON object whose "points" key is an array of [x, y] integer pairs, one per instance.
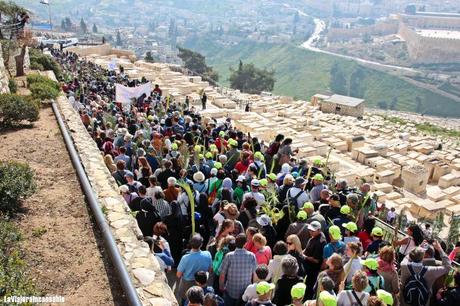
{"points": [[416, 291]]}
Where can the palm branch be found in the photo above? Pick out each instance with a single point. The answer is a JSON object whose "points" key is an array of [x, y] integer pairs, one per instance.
{"points": [[191, 199]]}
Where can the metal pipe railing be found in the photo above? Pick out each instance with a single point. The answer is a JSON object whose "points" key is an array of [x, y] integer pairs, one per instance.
{"points": [[120, 268]]}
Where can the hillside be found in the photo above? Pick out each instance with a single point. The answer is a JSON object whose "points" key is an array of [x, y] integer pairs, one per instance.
{"points": [[302, 73]]}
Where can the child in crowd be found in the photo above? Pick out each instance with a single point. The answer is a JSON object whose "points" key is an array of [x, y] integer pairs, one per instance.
{"points": [[251, 293]]}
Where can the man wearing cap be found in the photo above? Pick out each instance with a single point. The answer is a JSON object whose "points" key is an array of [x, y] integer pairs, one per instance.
{"points": [[236, 272], [233, 155], [296, 195], [318, 185], [259, 165], [350, 232], [300, 228], [313, 256], [196, 260], [385, 297], [297, 294], [255, 193], [336, 245], [309, 208], [377, 239]]}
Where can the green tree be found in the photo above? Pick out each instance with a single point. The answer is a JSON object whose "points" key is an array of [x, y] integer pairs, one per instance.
{"points": [[357, 86], [247, 78], [83, 26], [196, 62], [68, 24], [63, 25], [149, 57], [418, 103], [338, 82], [94, 28], [119, 42]]}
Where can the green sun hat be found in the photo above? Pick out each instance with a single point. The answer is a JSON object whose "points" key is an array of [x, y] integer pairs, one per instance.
{"points": [[370, 263], [308, 205], [263, 182], [264, 288], [298, 291], [301, 215], [377, 231], [385, 297], [351, 226], [318, 177], [335, 233], [218, 165], [327, 299], [272, 176], [345, 210], [208, 155]]}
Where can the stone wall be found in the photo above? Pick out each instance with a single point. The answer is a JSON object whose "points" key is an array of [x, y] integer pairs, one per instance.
{"points": [[102, 50], [150, 282], [3, 75], [429, 49], [378, 29], [328, 107]]}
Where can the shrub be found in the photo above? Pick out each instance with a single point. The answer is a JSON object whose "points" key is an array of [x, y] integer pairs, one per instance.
{"points": [[14, 280], [36, 78], [43, 91], [12, 86], [14, 109], [16, 183], [38, 59], [36, 66]]}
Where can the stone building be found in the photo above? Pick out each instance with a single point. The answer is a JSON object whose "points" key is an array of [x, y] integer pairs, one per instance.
{"points": [[342, 105]]}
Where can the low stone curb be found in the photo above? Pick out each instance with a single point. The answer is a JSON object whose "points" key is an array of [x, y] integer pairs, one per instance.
{"points": [[150, 281]]}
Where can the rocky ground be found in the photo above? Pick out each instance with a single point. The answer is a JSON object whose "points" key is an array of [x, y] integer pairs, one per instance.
{"points": [[62, 244]]}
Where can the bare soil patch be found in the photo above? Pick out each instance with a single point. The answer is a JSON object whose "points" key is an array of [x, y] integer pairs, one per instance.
{"points": [[62, 244]]}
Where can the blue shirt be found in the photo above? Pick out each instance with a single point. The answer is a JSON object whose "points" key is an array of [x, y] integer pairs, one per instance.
{"points": [[333, 247], [238, 267], [194, 262]]}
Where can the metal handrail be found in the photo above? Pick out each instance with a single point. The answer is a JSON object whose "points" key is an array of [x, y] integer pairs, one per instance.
{"points": [[109, 241]]}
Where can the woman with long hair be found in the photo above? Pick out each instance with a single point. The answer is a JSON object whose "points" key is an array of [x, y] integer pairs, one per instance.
{"points": [[413, 239], [108, 160], [295, 250]]}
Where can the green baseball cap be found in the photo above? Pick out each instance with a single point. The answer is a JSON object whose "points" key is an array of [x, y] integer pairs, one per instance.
{"points": [[212, 147], [377, 231], [263, 182], [233, 142], [385, 297], [264, 288], [370, 263], [208, 155], [174, 146], [335, 233], [351, 226], [327, 299], [272, 176], [301, 215], [218, 165], [308, 205], [317, 162], [318, 177], [221, 133], [298, 291], [345, 210], [200, 156], [197, 148]]}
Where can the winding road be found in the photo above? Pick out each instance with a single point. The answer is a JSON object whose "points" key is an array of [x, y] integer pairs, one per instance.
{"points": [[400, 71]]}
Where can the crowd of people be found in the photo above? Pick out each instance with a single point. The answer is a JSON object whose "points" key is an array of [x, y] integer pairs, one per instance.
{"points": [[242, 222]]}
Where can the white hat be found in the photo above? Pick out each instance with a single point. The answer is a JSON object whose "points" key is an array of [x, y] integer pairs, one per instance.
{"points": [[198, 177], [213, 171], [123, 188], [255, 183], [264, 220], [240, 178]]}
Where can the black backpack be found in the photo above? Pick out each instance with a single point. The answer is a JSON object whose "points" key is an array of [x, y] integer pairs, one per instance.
{"points": [[416, 291]]}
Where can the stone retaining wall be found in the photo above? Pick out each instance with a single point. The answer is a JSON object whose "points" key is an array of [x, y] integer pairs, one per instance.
{"points": [[150, 282], [4, 88]]}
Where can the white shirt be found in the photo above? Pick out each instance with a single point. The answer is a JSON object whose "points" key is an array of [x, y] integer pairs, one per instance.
{"points": [[259, 197], [301, 199], [250, 293], [274, 268], [343, 298], [151, 192], [355, 266]]}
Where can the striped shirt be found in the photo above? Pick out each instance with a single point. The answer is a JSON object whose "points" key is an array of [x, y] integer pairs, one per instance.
{"points": [[163, 207]]}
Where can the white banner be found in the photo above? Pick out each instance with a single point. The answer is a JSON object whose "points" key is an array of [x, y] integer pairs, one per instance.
{"points": [[125, 94]]}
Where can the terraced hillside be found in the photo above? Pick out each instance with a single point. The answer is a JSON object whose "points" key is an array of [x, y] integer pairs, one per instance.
{"points": [[302, 73]]}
